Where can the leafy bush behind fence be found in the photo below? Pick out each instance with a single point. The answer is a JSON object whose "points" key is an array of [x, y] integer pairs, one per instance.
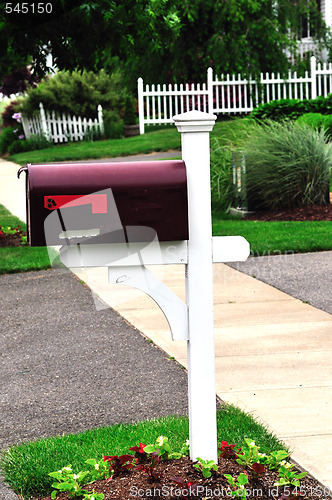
{"points": [[317, 121], [292, 108]]}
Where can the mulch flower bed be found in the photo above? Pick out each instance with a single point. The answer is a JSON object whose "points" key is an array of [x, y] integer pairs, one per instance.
{"points": [[12, 238], [135, 484]]}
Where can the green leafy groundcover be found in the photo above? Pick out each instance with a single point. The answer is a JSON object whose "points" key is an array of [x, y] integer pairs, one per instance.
{"points": [[26, 467], [148, 459]]}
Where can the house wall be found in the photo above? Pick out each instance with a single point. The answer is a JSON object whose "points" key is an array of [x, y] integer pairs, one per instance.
{"points": [[326, 9]]}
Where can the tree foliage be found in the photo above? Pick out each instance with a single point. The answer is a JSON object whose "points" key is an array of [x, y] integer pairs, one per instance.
{"points": [[17, 81], [239, 36], [160, 40]]}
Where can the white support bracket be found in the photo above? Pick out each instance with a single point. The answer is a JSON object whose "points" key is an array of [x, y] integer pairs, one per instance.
{"points": [[126, 265], [175, 310]]}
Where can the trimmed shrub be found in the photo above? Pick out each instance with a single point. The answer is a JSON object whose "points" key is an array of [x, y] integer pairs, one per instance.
{"points": [[7, 137], [314, 120], [129, 117], [328, 125], [288, 165], [77, 93], [113, 125], [279, 110], [321, 105], [17, 147], [33, 143], [292, 108], [317, 121], [221, 177]]}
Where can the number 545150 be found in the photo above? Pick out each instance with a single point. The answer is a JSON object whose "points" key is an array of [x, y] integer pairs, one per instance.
{"points": [[29, 8]]}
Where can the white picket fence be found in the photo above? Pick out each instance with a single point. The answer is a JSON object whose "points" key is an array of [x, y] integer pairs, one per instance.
{"points": [[229, 94], [61, 127]]}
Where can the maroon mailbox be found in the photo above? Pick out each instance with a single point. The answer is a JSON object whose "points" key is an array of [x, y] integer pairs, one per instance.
{"points": [[95, 202]]}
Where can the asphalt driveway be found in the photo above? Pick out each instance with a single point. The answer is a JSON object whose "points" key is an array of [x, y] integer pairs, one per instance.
{"points": [[66, 367]]}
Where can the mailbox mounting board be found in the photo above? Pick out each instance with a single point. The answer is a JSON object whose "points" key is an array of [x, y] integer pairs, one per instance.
{"points": [[151, 194]]}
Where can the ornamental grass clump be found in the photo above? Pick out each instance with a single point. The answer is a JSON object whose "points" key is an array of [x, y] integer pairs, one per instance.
{"points": [[288, 165], [222, 193]]}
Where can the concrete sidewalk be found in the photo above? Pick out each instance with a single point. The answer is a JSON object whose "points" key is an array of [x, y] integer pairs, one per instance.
{"points": [[272, 354], [273, 351]]}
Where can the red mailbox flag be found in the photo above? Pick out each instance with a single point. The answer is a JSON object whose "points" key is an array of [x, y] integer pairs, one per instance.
{"points": [[98, 201]]}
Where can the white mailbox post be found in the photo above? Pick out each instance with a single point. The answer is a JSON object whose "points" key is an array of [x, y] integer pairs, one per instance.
{"points": [[191, 321], [195, 130]]}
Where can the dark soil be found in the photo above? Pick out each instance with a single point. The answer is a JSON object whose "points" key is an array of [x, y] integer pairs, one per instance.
{"points": [[11, 240], [135, 484], [312, 213]]}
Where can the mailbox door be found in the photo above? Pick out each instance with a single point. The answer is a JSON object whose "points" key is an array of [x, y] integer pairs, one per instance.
{"points": [[84, 196]]}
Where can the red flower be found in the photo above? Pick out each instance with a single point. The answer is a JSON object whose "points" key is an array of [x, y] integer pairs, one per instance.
{"points": [[141, 448], [138, 449], [227, 450]]}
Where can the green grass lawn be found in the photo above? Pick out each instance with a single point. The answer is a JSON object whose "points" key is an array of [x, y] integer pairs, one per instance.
{"points": [[160, 140], [8, 219], [272, 238], [23, 258], [26, 466]]}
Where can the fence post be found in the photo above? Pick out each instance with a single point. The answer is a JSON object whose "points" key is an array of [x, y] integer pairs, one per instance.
{"points": [[100, 119], [43, 121], [210, 89], [195, 127], [140, 105], [25, 125], [313, 77]]}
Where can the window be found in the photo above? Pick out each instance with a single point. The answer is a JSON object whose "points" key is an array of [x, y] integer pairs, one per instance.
{"points": [[309, 22]]}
